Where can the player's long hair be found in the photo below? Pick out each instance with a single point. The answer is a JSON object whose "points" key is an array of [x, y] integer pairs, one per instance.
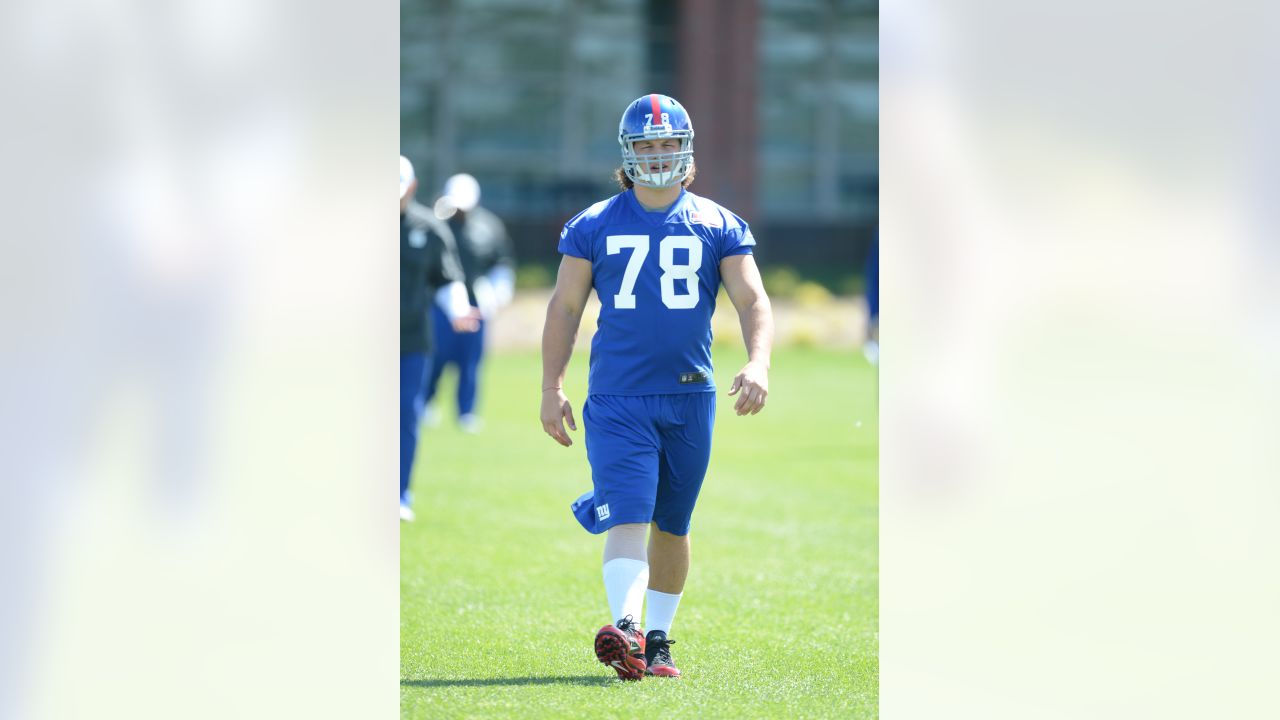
{"points": [[624, 182]]}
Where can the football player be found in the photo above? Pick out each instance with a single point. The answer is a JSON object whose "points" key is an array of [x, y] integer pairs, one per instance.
{"points": [[656, 255]]}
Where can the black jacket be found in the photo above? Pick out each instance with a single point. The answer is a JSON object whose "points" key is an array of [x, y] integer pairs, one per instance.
{"points": [[428, 261]]}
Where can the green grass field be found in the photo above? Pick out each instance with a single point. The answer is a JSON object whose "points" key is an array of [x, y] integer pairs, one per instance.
{"points": [[501, 595]]}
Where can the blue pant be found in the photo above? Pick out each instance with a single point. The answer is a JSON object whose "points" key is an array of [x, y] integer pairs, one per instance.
{"points": [[413, 371], [648, 455], [872, 275], [465, 350]]}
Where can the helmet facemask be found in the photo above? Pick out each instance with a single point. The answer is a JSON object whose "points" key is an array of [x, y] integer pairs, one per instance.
{"points": [[660, 170]]}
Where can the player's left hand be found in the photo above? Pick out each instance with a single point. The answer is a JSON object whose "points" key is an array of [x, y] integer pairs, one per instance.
{"points": [[753, 381]]}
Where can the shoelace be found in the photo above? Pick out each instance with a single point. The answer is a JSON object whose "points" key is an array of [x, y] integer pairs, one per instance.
{"points": [[629, 627], [661, 651]]}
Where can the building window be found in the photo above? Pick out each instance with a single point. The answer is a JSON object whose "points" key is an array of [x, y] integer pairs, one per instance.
{"points": [[525, 96], [818, 109]]}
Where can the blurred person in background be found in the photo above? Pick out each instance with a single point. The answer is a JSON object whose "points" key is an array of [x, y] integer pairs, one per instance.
{"points": [[656, 256], [871, 345], [489, 265], [430, 270]]}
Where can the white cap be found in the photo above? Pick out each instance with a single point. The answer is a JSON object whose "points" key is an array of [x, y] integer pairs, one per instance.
{"points": [[462, 192], [406, 175]]}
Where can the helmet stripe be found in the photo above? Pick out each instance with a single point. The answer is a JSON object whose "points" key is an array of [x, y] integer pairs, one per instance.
{"points": [[657, 110]]}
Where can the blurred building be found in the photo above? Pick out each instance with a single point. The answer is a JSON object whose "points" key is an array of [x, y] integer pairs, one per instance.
{"points": [[526, 95]]}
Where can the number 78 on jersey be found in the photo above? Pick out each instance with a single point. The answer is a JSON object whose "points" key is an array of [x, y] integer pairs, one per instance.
{"points": [[672, 271]]}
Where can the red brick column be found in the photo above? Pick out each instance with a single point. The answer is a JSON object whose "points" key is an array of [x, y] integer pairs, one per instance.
{"points": [[717, 84]]}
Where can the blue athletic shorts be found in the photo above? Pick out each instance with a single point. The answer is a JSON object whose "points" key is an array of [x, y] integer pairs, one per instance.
{"points": [[648, 456]]}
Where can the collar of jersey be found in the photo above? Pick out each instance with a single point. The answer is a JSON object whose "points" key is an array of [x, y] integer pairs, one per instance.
{"points": [[654, 218]]}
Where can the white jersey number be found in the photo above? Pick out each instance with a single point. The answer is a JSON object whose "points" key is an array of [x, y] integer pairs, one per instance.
{"points": [[671, 271], [639, 244]]}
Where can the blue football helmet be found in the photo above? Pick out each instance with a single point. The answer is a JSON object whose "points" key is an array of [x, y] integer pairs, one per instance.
{"points": [[654, 117]]}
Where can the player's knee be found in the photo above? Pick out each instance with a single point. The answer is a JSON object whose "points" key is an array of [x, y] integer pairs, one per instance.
{"points": [[625, 540], [628, 531], [670, 537]]}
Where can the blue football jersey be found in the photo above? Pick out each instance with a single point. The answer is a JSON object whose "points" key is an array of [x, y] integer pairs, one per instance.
{"points": [[657, 275]]}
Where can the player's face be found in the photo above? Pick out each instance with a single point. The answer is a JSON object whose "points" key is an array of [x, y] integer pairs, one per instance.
{"points": [[662, 146]]}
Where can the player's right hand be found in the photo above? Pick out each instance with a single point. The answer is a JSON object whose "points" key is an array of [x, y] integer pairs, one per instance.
{"points": [[556, 410], [468, 323]]}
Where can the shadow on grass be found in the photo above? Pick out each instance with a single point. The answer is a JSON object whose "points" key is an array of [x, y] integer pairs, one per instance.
{"points": [[490, 682]]}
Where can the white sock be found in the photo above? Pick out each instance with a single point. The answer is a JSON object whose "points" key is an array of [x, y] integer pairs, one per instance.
{"points": [[624, 582], [660, 610]]}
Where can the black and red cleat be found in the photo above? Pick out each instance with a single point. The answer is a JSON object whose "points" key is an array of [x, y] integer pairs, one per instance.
{"points": [[621, 647], [658, 655]]}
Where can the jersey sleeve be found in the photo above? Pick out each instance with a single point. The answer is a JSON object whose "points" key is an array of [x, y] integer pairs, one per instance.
{"points": [[736, 241], [573, 241]]}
